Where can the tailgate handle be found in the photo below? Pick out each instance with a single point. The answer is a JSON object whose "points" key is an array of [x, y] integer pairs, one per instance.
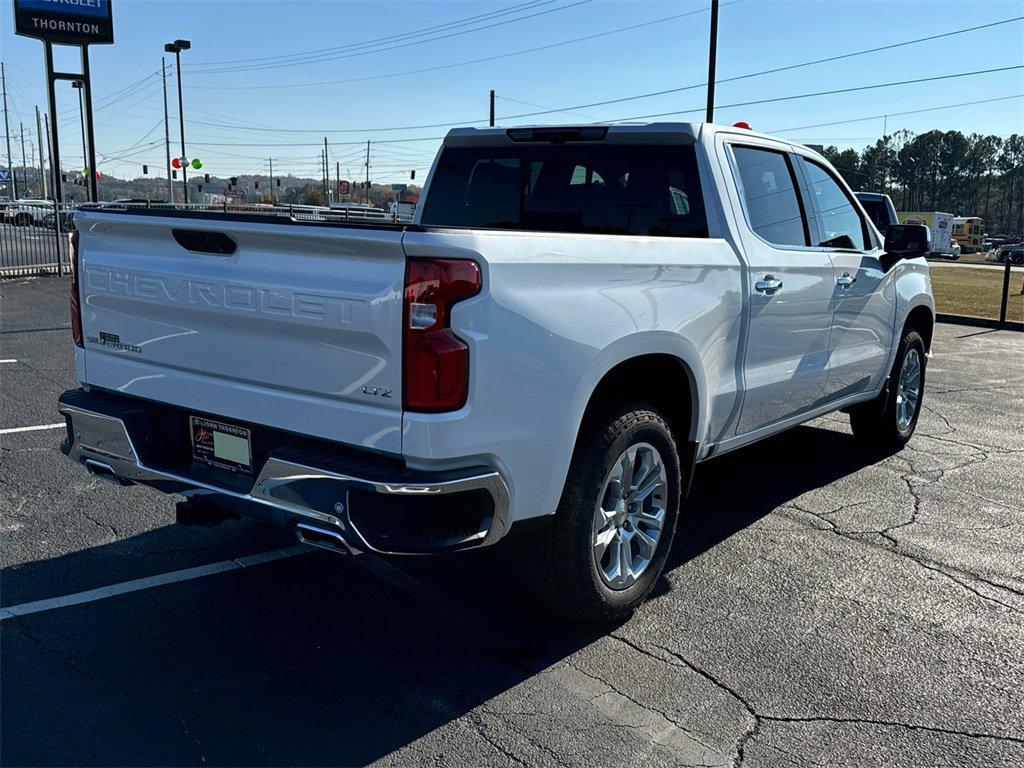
{"points": [[204, 241]]}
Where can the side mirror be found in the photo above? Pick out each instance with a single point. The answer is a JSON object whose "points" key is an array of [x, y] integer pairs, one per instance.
{"points": [[905, 241]]}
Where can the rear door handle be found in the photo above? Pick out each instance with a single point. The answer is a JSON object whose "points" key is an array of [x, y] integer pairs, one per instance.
{"points": [[768, 284], [846, 280]]}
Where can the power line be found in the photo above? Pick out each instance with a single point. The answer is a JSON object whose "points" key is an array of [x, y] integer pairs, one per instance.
{"points": [[624, 99], [825, 93], [386, 38], [335, 57], [897, 114], [483, 59]]}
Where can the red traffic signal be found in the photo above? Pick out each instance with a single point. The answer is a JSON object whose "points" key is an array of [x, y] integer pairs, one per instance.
{"points": [[175, 162]]}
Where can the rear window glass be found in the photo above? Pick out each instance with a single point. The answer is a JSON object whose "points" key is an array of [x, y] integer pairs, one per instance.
{"points": [[596, 188]]}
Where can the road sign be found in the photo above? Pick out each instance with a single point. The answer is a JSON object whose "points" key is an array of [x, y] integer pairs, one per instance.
{"points": [[344, 188], [399, 187], [71, 22], [5, 174]]}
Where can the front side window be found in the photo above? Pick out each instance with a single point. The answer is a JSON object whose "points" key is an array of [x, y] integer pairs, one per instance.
{"points": [[770, 196], [841, 225], [602, 188]]}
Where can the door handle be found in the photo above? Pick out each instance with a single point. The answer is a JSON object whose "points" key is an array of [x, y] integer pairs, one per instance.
{"points": [[768, 285], [846, 280]]}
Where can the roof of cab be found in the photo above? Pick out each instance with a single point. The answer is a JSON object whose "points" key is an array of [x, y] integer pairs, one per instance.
{"points": [[632, 133], [672, 133]]}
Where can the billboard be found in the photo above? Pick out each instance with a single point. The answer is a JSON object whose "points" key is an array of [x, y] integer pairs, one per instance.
{"points": [[69, 22]]}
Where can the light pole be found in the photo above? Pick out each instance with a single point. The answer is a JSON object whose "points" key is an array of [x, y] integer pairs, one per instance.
{"points": [[176, 48], [77, 85]]}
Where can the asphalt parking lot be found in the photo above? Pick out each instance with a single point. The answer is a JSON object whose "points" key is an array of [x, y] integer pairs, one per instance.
{"points": [[819, 608]]}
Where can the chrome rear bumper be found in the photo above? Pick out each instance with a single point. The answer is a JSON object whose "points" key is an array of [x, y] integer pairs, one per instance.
{"points": [[285, 491]]}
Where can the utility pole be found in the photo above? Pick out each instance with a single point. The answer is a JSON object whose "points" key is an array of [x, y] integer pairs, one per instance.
{"points": [[271, 180], [492, 108], [167, 133], [712, 56], [337, 177], [327, 175], [367, 171], [24, 165], [7, 133], [55, 180], [42, 161]]}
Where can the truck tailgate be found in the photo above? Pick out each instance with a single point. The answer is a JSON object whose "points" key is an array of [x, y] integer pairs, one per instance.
{"points": [[299, 328]]}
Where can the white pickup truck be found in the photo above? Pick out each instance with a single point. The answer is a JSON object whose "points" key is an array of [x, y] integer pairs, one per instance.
{"points": [[576, 317]]}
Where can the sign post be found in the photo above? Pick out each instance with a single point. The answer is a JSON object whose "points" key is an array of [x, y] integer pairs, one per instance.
{"points": [[67, 22]]}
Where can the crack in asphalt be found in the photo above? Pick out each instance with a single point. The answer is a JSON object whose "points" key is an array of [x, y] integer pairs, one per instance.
{"points": [[613, 689], [915, 479], [759, 717], [506, 719], [477, 721], [951, 572]]}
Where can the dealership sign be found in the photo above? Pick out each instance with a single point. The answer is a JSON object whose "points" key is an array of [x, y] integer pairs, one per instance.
{"points": [[70, 22]]}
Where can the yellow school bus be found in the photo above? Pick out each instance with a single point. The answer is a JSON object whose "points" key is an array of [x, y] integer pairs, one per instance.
{"points": [[969, 232]]}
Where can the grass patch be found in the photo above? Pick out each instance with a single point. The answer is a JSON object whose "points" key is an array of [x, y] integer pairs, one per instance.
{"points": [[976, 292]]}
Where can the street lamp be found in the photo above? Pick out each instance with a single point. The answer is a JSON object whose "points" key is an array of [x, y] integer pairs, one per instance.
{"points": [[79, 85], [176, 48]]}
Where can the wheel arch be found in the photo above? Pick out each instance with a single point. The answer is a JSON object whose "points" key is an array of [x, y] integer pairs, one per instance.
{"points": [[922, 319], [668, 384]]}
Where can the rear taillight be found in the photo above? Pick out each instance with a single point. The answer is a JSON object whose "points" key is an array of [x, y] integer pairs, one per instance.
{"points": [[76, 309], [436, 361]]}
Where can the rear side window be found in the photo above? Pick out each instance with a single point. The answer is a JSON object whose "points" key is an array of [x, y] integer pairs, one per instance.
{"points": [[841, 225], [597, 188], [770, 196]]}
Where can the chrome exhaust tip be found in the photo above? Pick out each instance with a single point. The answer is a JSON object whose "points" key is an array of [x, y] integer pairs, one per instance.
{"points": [[322, 538]]}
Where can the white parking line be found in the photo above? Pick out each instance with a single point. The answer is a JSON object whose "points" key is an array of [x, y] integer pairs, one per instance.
{"points": [[8, 361], [92, 595], [12, 430]]}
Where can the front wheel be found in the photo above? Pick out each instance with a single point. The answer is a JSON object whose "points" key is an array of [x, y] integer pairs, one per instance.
{"points": [[605, 549], [885, 424]]}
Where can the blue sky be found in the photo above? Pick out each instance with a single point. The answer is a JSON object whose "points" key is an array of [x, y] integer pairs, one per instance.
{"points": [[236, 119]]}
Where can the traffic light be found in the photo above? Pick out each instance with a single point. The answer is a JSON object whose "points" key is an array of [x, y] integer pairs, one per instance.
{"points": [[234, 181], [279, 182], [412, 175], [174, 174], [256, 184], [200, 188], [145, 170], [206, 178]]}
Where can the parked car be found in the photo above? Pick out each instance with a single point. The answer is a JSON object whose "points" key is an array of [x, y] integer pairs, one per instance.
{"points": [[576, 318], [1010, 253], [66, 220], [28, 212]]}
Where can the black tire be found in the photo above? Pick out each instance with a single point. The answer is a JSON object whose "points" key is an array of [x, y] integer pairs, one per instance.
{"points": [[876, 424], [557, 561]]}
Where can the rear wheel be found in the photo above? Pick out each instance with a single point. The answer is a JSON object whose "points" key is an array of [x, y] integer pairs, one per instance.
{"points": [[887, 423], [608, 543]]}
